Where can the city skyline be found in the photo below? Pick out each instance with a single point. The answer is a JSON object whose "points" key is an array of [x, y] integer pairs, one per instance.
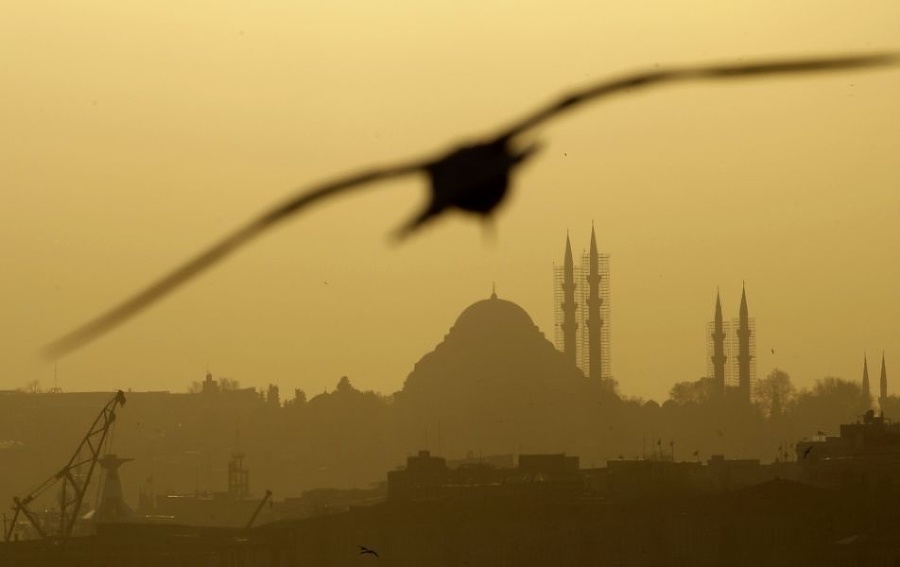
{"points": [[731, 375], [129, 155]]}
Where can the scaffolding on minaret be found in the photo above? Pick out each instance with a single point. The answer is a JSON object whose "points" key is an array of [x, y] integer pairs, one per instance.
{"points": [[567, 308], [563, 327], [734, 384], [736, 375], [717, 351], [605, 371]]}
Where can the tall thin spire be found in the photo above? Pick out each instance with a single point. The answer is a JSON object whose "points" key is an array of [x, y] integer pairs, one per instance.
{"points": [[718, 357], [744, 355], [865, 382], [884, 393], [594, 321], [569, 325], [745, 313]]}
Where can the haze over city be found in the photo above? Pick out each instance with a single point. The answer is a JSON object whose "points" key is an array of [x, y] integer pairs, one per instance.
{"points": [[136, 137]]}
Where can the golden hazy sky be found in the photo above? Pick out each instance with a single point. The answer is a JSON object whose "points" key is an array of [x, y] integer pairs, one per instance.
{"points": [[134, 134]]}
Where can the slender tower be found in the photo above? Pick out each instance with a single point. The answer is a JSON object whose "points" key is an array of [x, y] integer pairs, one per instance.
{"points": [[883, 398], [744, 354], [594, 321], [718, 356], [569, 326], [867, 394]]}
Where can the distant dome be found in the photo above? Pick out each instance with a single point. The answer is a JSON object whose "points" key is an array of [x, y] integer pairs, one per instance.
{"points": [[493, 314], [493, 342], [493, 382]]}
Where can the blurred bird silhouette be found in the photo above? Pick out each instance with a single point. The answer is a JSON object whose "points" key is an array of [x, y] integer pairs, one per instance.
{"points": [[363, 550], [474, 178]]}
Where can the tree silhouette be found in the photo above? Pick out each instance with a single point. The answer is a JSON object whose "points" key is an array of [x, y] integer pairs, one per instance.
{"points": [[774, 392], [698, 391], [831, 402], [272, 396]]}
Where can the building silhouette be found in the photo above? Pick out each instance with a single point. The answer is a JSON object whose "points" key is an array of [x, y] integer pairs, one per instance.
{"points": [[495, 384], [582, 310], [731, 352], [882, 398]]}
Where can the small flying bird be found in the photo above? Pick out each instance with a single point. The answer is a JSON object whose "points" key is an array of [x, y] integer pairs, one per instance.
{"points": [[474, 178], [806, 452], [363, 550]]}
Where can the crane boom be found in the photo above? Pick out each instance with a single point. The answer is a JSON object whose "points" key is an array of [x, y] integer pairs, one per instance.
{"points": [[258, 508], [74, 478]]}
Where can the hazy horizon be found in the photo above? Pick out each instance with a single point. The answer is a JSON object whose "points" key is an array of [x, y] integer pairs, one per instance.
{"points": [[137, 136]]}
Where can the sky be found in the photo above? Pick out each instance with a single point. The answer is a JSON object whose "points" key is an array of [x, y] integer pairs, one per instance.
{"points": [[136, 134]]}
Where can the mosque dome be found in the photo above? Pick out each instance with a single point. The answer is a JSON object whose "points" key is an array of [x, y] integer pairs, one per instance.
{"points": [[495, 382], [493, 342], [493, 315]]}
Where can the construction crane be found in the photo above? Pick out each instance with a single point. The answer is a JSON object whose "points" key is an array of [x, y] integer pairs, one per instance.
{"points": [[75, 478]]}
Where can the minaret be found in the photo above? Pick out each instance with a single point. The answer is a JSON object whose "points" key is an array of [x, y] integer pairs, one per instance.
{"points": [[867, 395], [718, 357], [569, 326], [744, 354], [883, 398], [594, 322]]}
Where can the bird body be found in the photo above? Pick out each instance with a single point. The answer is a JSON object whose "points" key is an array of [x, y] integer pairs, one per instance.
{"points": [[473, 178], [363, 550]]}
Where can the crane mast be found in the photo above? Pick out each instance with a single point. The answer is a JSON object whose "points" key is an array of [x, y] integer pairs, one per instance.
{"points": [[75, 477]]}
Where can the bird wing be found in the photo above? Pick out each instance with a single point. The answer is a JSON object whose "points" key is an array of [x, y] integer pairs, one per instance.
{"points": [[696, 73], [217, 252], [452, 192]]}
